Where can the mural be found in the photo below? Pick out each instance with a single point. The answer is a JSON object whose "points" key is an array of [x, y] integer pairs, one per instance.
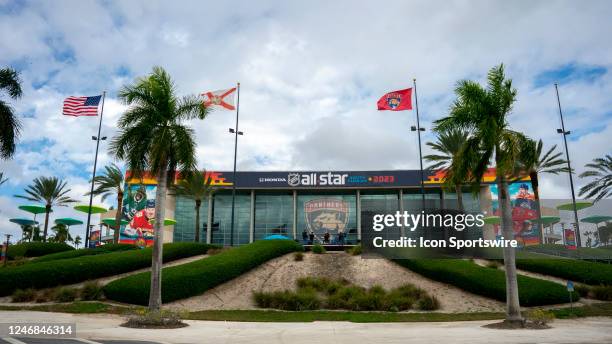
{"points": [[327, 218], [524, 207], [138, 210]]}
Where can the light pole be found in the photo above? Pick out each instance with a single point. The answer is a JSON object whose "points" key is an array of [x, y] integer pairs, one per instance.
{"points": [[97, 139], [418, 129], [236, 132], [563, 132], [8, 238]]}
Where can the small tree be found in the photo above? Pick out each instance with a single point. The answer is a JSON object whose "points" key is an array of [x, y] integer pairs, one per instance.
{"points": [[109, 183], [49, 191], [77, 241], [152, 137], [196, 187], [62, 234]]}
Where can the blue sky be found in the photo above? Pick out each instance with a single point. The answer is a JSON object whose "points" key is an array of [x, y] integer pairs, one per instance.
{"points": [[310, 73]]}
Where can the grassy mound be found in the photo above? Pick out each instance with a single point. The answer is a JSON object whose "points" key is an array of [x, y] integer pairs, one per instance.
{"points": [[75, 270], [191, 279], [487, 281], [589, 253], [85, 252], [315, 293], [36, 249], [576, 270]]}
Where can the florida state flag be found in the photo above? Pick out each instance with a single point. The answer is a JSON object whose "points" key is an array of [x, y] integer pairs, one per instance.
{"points": [[396, 101], [222, 99]]}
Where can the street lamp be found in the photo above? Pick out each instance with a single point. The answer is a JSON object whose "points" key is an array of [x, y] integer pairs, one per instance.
{"points": [[565, 133], [236, 132]]}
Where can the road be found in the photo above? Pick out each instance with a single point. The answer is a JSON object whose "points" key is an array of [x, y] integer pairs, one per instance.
{"points": [[100, 328]]}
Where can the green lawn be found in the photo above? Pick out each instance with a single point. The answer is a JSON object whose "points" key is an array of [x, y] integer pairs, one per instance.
{"points": [[600, 309]]}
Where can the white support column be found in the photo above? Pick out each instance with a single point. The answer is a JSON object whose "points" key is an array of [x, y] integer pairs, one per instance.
{"points": [[294, 227], [359, 215], [401, 209], [252, 222], [209, 220]]}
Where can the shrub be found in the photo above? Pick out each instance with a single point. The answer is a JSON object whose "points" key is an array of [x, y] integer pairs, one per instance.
{"points": [[75, 270], [583, 290], [355, 250], [85, 252], [488, 282], [298, 256], [318, 249], [65, 295], [157, 319], [179, 282], [91, 291], [24, 295], [570, 269], [493, 264], [46, 295], [602, 292], [314, 292], [540, 317], [36, 249], [428, 303]]}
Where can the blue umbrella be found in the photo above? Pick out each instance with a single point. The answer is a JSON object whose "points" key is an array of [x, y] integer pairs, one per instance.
{"points": [[276, 237]]}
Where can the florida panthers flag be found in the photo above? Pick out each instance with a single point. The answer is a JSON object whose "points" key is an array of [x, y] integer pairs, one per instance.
{"points": [[396, 101], [223, 99]]}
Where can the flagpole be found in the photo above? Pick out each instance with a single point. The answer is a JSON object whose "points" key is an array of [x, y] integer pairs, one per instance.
{"points": [[416, 101], [234, 174], [94, 173], [565, 133]]}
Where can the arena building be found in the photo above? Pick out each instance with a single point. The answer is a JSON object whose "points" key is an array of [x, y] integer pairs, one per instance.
{"points": [[331, 207]]}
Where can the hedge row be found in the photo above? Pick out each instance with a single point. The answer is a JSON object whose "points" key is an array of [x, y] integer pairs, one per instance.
{"points": [[36, 249], [75, 270], [85, 252], [191, 279], [571, 269], [488, 282]]}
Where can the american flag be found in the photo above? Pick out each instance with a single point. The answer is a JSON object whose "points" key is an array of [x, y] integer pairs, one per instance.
{"points": [[81, 106]]}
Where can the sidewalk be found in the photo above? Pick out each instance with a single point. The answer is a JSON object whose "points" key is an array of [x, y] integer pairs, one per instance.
{"points": [[105, 327]]}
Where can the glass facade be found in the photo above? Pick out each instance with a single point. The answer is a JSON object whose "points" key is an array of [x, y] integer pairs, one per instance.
{"points": [[221, 221], [185, 216], [328, 217], [273, 214]]}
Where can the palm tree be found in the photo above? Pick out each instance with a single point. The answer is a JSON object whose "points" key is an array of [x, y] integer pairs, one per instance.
{"points": [[2, 179], [50, 191], [62, 234], [484, 112], [601, 187], [152, 137], [448, 146], [532, 162], [77, 241], [9, 123], [197, 188], [107, 184]]}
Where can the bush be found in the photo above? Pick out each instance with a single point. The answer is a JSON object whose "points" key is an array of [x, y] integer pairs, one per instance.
{"points": [[24, 295], [36, 249], [91, 291], [318, 249], [355, 250], [298, 256], [540, 317], [75, 270], [85, 252], [602, 292], [570, 269], [488, 282], [583, 290], [65, 295], [493, 264], [179, 282], [156, 319], [46, 295], [313, 293]]}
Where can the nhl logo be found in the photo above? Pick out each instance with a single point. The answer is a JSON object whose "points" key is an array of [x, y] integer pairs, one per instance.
{"points": [[293, 179]]}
